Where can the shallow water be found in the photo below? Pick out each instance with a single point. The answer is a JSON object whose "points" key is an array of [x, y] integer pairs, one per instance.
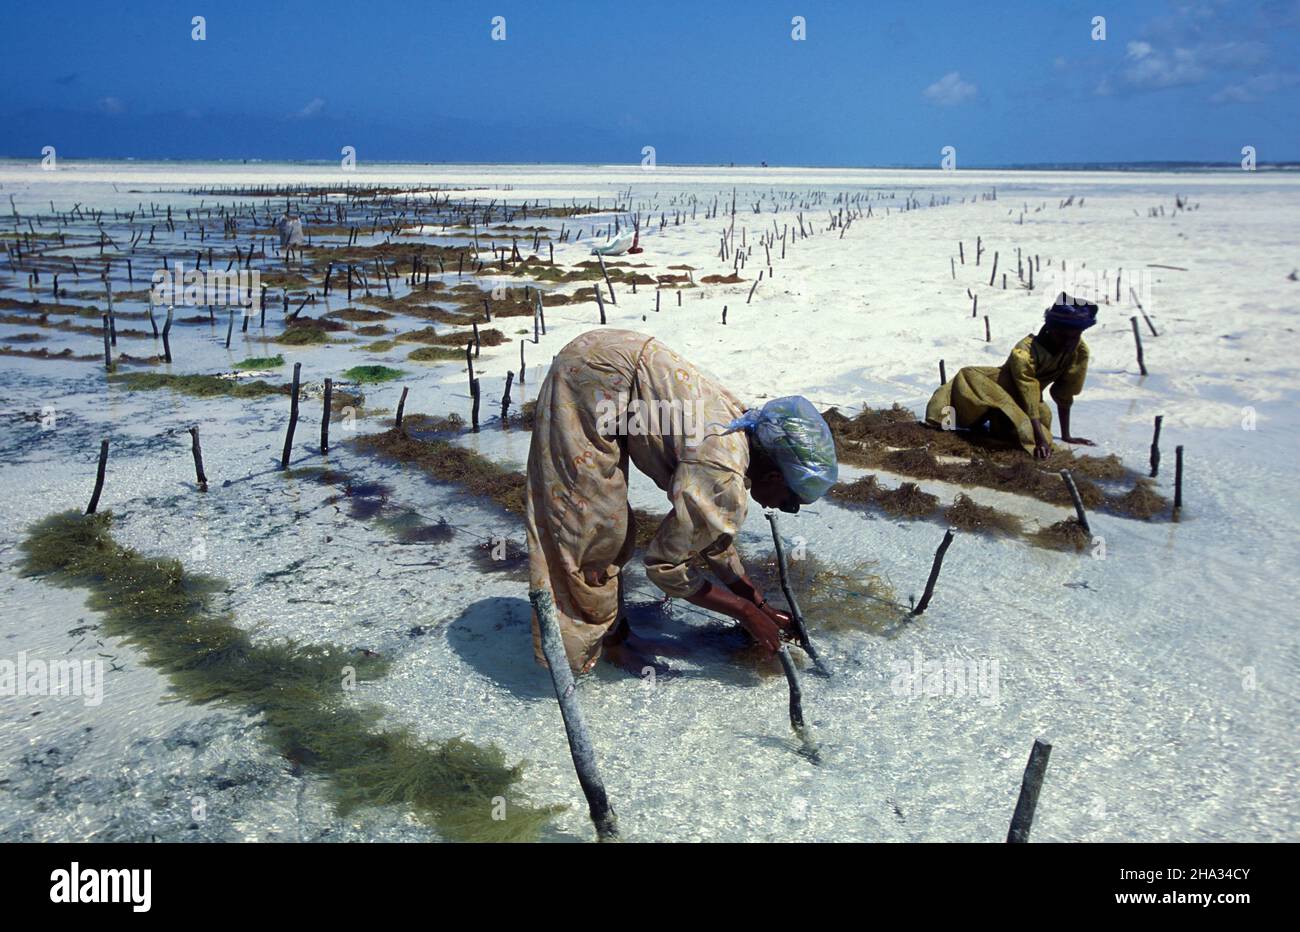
{"points": [[1164, 674]]}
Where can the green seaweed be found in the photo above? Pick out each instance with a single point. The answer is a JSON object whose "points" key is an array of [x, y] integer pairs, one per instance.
{"points": [[373, 374], [300, 691], [260, 362], [435, 354], [201, 386], [302, 336]]}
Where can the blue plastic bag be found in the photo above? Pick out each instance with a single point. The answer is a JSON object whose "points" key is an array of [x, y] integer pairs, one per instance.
{"points": [[796, 436]]}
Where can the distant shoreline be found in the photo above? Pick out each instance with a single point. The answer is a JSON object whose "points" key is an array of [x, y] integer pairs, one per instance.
{"points": [[1149, 166]]}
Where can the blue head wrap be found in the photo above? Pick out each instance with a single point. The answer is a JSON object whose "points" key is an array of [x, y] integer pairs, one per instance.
{"points": [[791, 431], [1071, 313]]}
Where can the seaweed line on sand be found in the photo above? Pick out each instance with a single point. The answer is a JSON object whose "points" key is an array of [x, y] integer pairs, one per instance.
{"points": [[155, 605]]}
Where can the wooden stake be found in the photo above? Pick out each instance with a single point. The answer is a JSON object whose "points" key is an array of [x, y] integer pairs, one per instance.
{"points": [[1178, 479], [1030, 785], [108, 355], [943, 374], [293, 416], [580, 748], [1078, 502], [801, 629], [934, 574], [325, 417], [612, 299], [1137, 336], [1133, 295], [99, 477], [401, 407], [167, 346], [198, 459], [1155, 446]]}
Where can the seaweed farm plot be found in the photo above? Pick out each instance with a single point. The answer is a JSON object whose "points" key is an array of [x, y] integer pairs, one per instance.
{"points": [[307, 575]]}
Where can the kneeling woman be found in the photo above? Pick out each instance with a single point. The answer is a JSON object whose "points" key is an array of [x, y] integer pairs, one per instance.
{"points": [[603, 403], [1010, 398]]}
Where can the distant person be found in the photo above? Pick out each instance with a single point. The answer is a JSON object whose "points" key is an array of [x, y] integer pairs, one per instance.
{"points": [[291, 235], [1008, 401], [614, 396]]}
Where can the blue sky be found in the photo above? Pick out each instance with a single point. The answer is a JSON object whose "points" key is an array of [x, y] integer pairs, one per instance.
{"points": [[874, 83]]}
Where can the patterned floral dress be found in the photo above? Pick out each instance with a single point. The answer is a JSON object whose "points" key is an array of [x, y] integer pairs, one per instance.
{"points": [[612, 396]]}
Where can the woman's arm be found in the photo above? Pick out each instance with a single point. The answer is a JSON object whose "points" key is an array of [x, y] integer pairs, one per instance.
{"points": [[716, 599]]}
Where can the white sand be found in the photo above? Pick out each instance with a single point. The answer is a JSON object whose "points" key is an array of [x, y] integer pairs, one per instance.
{"points": [[1167, 685]]}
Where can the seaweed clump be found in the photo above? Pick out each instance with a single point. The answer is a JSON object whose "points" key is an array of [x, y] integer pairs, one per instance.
{"points": [[892, 439], [1141, 501], [500, 555], [300, 691], [303, 336], [965, 514], [1063, 535], [260, 362], [373, 374], [447, 462], [830, 599], [200, 386], [908, 500], [435, 354]]}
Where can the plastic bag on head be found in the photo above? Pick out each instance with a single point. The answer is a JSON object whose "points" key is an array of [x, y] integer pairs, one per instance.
{"points": [[794, 434]]}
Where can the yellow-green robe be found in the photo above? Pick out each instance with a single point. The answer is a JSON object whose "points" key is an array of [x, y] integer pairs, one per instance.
{"points": [[979, 393]]}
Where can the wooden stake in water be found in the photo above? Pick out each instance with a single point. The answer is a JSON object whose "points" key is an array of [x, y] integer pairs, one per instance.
{"points": [[580, 749], [167, 346], [293, 416], [99, 477], [934, 575], [325, 417], [1178, 479], [108, 353], [612, 299], [198, 459], [1155, 446], [401, 407], [505, 397], [810, 749], [801, 629], [1137, 336], [1079, 513], [1030, 785], [1151, 326]]}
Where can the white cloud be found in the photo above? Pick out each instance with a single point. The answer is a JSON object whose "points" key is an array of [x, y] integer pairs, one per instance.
{"points": [[1255, 88], [111, 105], [313, 107], [950, 90], [1138, 50]]}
